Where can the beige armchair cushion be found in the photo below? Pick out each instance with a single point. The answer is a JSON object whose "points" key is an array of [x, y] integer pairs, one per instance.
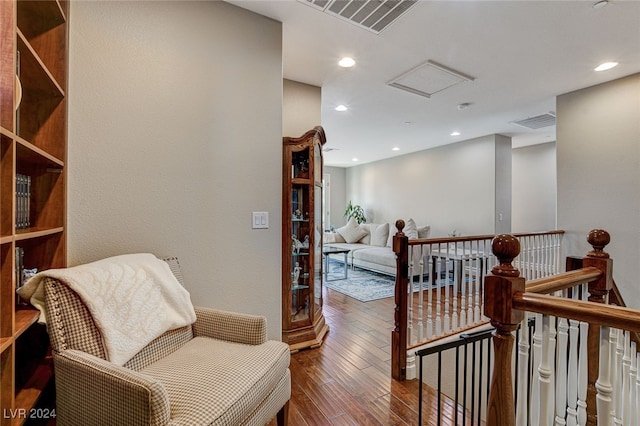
{"points": [[219, 382]]}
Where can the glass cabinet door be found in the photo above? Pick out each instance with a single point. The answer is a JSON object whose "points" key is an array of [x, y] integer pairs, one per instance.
{"points": [[301, 263], [303, 323]]}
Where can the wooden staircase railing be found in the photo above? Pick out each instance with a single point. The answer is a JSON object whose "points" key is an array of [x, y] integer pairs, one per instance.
{"points": [[507, 297], [439, 286]]}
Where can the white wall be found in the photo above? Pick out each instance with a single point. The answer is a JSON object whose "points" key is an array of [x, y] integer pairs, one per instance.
{"points": [[534, 188], [175, 137], [449, 187], [598, 154], [300, 108]]}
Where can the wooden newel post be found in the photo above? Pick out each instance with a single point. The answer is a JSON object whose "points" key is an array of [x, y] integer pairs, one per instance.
{"points": [[399, 333], [598, 291], [500, 286]]}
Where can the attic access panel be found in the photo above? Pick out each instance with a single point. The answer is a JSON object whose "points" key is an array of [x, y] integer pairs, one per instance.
{"points": [[372, 15], [428, 79]]}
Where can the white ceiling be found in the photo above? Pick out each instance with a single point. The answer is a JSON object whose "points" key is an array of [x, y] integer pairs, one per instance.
{"points": [[521, 55]]}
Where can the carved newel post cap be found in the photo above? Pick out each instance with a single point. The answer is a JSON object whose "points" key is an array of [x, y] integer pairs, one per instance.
{"points": [[598, 239], [505, 247], [400, 225]]}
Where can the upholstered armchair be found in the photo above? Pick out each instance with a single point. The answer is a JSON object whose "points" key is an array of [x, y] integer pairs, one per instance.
{"points": [[220, 370]]}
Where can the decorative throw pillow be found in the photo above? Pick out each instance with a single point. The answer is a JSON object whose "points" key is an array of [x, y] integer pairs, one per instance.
{"points": [[367, 238], [423, 231], [411, 230], [379, 234], [352, 232], [392, 231]]}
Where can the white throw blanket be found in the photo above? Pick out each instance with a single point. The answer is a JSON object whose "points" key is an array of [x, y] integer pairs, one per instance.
{"points": [[133, 299]]}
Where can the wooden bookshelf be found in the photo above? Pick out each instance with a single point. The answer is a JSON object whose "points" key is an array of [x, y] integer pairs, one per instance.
{"points": [[33, 143]]}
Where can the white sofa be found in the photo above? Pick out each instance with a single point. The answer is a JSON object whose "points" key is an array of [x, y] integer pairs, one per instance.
{"points": [[370, 244]]}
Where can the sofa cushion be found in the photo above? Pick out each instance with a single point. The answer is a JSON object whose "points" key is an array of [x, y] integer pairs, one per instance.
{"points": [[379, 234], [352, 232], [226, 381], [379, 255], [332, 237]]}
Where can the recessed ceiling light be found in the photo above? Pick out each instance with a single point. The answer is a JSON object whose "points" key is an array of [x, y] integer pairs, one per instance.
{"points": [[395, 148], [354, 159], [605, 66], [341, 108], [346, 62], [456, 133]]}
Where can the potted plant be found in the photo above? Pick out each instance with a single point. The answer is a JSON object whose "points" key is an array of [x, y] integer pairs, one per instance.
{"points": [[356, 212]]}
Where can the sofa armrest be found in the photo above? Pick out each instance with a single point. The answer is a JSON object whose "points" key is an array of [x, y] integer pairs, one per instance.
{"points": [[109, 394], [230, 326]]}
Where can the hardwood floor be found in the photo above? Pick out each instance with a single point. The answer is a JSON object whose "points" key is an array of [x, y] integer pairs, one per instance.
{"points": [[347, 381]]}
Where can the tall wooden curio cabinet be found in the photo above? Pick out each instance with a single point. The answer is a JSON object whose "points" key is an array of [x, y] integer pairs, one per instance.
{"points": [[303, 323], [33, 144]]}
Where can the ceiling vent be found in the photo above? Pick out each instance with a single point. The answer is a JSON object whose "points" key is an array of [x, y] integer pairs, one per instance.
{"points": [[428, 79], [537, 122], [372, 15]]}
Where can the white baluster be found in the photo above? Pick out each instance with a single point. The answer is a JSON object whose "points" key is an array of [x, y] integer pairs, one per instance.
{"points": [[616, 370], [438, 296], [447, 287], [561, 375], [561, 370], [583, 374], [603, 384], [544, 271], [409, 290], [546, 410], [626, 367], [572, 372], [463, 304], [523, 373], [535, 380], [637, 410], [477, 313], [633, 373], [552, 367], [454, 313]]}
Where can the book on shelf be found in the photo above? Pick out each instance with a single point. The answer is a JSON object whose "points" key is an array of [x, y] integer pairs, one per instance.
{"points": [[23, 201], [19, 269]]}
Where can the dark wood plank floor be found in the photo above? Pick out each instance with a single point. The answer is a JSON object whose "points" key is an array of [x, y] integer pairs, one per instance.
{"points": [[347, 381]]}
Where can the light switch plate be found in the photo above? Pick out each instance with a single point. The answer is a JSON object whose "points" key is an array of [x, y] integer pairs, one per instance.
{"points": [[260, 220]]}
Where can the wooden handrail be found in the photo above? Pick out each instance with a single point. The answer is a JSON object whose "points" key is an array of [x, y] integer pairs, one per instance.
{"points": [[444, 240], [506, 300], [563, 280], [402, 339], [593, 313]]}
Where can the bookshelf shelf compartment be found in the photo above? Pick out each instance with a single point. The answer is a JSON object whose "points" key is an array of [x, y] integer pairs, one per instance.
{"points": [[24, 319], [33, 147]]}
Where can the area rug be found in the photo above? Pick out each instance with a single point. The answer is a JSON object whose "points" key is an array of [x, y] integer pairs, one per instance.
{"points": [[363, 285]]}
